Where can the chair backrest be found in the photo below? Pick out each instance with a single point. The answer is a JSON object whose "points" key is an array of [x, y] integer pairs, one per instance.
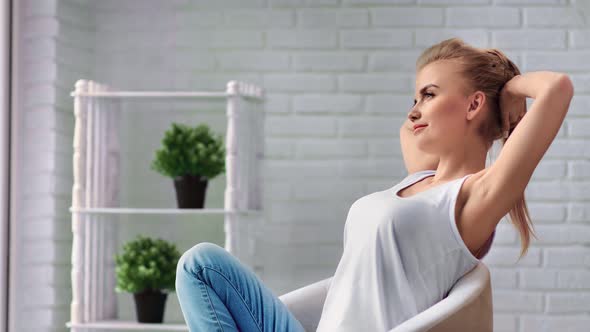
{"points": [[467, 307]]}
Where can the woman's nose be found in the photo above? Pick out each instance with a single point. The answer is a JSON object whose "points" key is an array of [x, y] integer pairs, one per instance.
{"points": [[414, 115]]}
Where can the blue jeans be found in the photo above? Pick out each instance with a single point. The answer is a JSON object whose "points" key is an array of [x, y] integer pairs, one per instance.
{"points": [[218, 293]]}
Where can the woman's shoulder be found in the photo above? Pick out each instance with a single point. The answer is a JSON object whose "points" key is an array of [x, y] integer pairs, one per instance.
{"points": [[472, 182], [468, 188]]}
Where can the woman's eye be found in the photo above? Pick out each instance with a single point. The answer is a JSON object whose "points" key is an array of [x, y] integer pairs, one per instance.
{"points": [[425, 94]]}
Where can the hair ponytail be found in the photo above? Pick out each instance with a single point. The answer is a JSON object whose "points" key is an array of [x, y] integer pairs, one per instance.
{"points": [[519, 214]]}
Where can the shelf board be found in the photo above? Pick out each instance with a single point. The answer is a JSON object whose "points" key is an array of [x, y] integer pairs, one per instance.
{"points": [[128, 325], [257, 95], [152, 94], [159, 211]]}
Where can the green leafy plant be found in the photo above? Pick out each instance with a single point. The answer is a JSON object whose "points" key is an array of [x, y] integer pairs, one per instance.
{"points": [[190, 151], [146, 264]]}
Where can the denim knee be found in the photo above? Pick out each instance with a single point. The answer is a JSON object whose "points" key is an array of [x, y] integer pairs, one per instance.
{"points": [[203, 254]]}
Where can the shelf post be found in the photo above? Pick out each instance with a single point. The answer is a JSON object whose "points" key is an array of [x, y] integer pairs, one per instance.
{"points": [[232, 192], [78, 201]]}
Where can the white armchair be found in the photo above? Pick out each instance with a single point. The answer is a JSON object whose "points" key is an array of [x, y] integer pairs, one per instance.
{"points": [[468, 307], [306, 303]]}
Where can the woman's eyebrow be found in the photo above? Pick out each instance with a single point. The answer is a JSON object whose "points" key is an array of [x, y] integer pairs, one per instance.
{"points": [[427, 86]]}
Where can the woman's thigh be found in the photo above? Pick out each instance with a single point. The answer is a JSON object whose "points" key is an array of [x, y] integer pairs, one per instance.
{"points": [[219, 293]]}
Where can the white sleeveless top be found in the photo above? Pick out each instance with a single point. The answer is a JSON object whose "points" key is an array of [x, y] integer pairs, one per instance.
{"points": [[401, 256]]}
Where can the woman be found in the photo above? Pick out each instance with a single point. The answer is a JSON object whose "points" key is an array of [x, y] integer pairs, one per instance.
{"points": [[405, 247], [307, 302]]}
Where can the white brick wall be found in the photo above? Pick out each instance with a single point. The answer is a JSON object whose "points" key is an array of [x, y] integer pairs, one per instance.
{"points": [[340, 78], [56, 48]]}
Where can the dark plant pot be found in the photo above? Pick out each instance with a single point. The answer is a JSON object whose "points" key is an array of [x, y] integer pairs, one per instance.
{"points": [[190, 191], [149, 306]]}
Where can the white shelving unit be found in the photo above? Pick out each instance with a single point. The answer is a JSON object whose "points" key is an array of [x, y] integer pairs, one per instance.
{"points": [[95, 193]]}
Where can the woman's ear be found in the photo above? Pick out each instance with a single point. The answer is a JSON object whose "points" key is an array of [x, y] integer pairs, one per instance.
{"points": [[476, 105]]}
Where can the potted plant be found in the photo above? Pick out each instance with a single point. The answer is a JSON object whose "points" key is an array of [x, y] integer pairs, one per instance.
{"points": [[191, 156], [147, 268]]}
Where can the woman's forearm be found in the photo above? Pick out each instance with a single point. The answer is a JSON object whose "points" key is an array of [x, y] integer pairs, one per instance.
{"points": [[533, 84]]}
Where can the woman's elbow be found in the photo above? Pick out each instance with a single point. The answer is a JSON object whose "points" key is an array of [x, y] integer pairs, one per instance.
{"points": [[565, 86]]}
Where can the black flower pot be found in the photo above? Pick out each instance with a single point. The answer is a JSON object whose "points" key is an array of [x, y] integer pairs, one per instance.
{"points": [[190, 191], [149, 306]]}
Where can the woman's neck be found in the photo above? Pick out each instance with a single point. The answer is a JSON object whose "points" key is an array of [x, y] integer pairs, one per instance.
{"points": [[459, 163]]}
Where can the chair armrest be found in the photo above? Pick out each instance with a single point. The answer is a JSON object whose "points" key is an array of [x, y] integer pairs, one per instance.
{"points": [[467, 307], [306, 303]]}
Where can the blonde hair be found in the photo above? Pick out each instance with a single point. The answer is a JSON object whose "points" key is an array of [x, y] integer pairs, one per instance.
{"points": [[485, 70]]}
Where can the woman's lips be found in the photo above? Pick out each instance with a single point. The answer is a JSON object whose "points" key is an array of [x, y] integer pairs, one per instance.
{"points": [[418, 128]]}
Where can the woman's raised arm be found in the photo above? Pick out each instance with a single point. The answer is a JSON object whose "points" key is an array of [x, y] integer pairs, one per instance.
{"points": [[504, 182]]}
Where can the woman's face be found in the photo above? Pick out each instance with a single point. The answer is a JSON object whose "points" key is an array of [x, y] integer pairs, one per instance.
{"points": [[440, 104]]}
